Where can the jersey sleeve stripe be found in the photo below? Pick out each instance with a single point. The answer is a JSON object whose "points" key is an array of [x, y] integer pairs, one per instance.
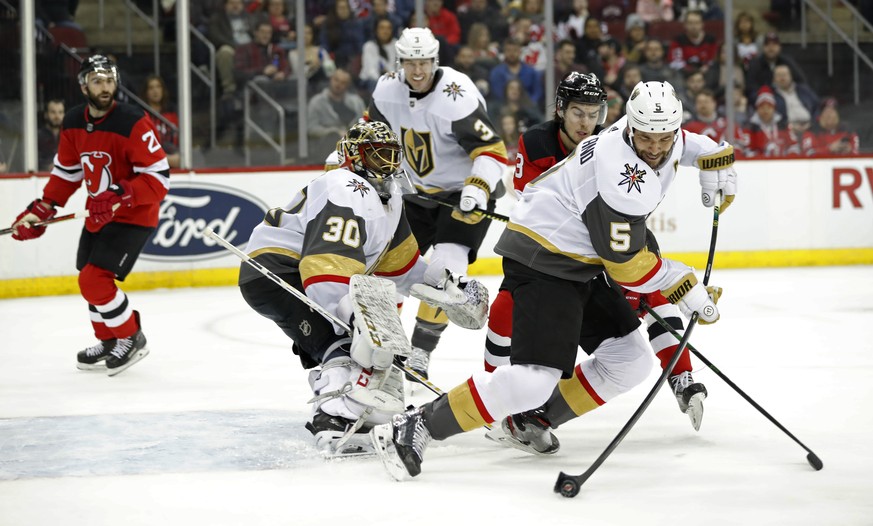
{"points": [[399, 259], [540, 240], [275, 250], [333, 266], [326, 278], [636, 271], [73, 174], [496, 150]]}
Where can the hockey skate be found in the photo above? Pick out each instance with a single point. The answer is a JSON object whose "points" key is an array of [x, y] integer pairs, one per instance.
{"points": [[690, 395], [127, 351], [418, 360], [402, 443], [529, 432], [94, 357], [329, 432]]}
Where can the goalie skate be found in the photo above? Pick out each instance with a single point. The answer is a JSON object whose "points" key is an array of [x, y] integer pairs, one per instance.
{"points": [[333, 440], [375, 307]]}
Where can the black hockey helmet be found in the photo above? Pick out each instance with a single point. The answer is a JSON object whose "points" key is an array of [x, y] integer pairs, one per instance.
{"points": [[100, 64], [584, 88]]}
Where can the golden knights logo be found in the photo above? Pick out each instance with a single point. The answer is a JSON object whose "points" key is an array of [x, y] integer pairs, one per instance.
{"points": [[453, 90], [358, 186], [633, 178], [418, 150]]}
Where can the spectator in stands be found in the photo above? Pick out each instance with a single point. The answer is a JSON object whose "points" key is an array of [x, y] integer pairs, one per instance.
{"points": [[794, 101], [533, 50], [343, 36], [761, 67], [445, 27], [783, 13], [768, 134], [635, 39], [709, 8], [741, 106], [832, 138], [380, 10], [611, 61], [52, 13], [47, 136], [716, 77], [610, 10], [565, 60], [574, 26], [510, 134], [480, 11], [318, 65], [517, 103], [466, 63], [379, 55], [614, 107], [694, 84], [693, 50], [513, 68], [156, 95], [228, 29], [485, 51], [630, 77], [586, 47], [261, 60], [706, 120], [652, 11], [331, 112], [529, 9], [283, 27], [654, 66], [748, 41]]}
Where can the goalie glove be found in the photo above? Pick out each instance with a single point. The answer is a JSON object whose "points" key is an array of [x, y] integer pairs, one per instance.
{"points": [[474, 196], [691, 296], [465, 301], [717, 174]]}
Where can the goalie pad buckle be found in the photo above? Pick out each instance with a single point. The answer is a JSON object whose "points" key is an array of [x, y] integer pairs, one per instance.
{"points": [[464, 302], [378, 334]]}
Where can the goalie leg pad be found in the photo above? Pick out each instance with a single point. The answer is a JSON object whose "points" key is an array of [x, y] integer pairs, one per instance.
{"points": [[378, 394], [378, 333]]}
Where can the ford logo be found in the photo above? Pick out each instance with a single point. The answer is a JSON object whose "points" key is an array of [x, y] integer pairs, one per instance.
{"points": [[190, 208]]}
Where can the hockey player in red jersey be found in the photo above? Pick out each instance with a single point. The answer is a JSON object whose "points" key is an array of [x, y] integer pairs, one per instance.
{"points": [[578, 223], [580, 107], [114, 149]]}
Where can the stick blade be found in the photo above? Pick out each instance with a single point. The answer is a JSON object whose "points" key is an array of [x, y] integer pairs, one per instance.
{"points": [[814, 461]]}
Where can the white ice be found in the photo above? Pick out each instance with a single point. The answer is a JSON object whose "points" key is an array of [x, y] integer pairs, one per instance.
{"points": [[208, 429]]}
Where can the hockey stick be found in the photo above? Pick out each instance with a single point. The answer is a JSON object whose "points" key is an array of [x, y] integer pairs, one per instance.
{"points": [[309, 303], [57, 219], [812, 458], [569, 485], [439, 200]]}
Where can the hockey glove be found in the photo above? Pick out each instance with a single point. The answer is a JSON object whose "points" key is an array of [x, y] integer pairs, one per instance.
{"points": [[691, 296], [35, 212], [474, 196], [103, 206], [717, 174], [465, 301]]}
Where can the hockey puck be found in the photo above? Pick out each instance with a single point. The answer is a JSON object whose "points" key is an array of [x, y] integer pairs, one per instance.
{"points": [[814, 461], [567, 486]]}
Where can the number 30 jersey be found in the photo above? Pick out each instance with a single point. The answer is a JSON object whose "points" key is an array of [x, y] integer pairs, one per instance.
{"points": [[589, 212], [446, 133]]}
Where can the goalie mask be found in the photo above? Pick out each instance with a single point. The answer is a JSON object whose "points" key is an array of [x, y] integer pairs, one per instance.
{"points": [[372, 150]]}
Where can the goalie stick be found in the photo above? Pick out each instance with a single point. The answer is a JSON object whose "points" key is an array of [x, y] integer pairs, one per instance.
{"points": [[439, 200], [311, 304], [57, 219], [569, 485], [812, 458]]}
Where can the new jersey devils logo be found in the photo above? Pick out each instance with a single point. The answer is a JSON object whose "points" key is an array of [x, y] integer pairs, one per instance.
{"points": [[97, 175]]}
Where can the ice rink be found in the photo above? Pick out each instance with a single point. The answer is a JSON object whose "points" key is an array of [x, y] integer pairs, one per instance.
{"points": [[208, 429]]}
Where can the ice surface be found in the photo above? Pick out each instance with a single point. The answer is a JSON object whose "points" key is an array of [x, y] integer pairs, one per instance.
{"points": [[208, 429]]}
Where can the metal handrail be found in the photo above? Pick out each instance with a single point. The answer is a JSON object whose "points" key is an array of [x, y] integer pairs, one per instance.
{"points": [[251, 86], [152, 22], [852, 42], [209, 81]]}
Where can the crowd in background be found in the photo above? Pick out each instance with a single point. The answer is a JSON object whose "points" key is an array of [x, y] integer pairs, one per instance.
{"points": [[499, 44]]}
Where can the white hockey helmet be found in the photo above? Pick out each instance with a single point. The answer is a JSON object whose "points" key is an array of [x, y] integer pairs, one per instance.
{"points": [[417, 43], [654, 107]]}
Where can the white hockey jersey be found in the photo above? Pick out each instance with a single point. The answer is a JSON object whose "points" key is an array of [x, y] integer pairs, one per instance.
{"points": [[335, 228], [446, 133], [589, 212]]}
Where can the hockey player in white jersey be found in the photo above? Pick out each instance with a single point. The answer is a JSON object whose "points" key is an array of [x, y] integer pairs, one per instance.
{"points": [[585, 215], [346, 222], [451, 151]]}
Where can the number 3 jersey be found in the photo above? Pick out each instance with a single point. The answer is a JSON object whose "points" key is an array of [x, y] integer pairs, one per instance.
{"points": [[335, 228], [446, 133], [589, 212], [120, 146]]}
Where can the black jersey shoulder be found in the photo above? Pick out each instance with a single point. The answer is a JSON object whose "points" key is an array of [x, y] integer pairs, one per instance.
{"points": [[543, 141]]}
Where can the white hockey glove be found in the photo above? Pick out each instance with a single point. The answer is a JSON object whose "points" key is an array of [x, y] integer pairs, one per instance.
{"points": [[465, 301], [474, 195], [691, 296], [717, 174]]}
